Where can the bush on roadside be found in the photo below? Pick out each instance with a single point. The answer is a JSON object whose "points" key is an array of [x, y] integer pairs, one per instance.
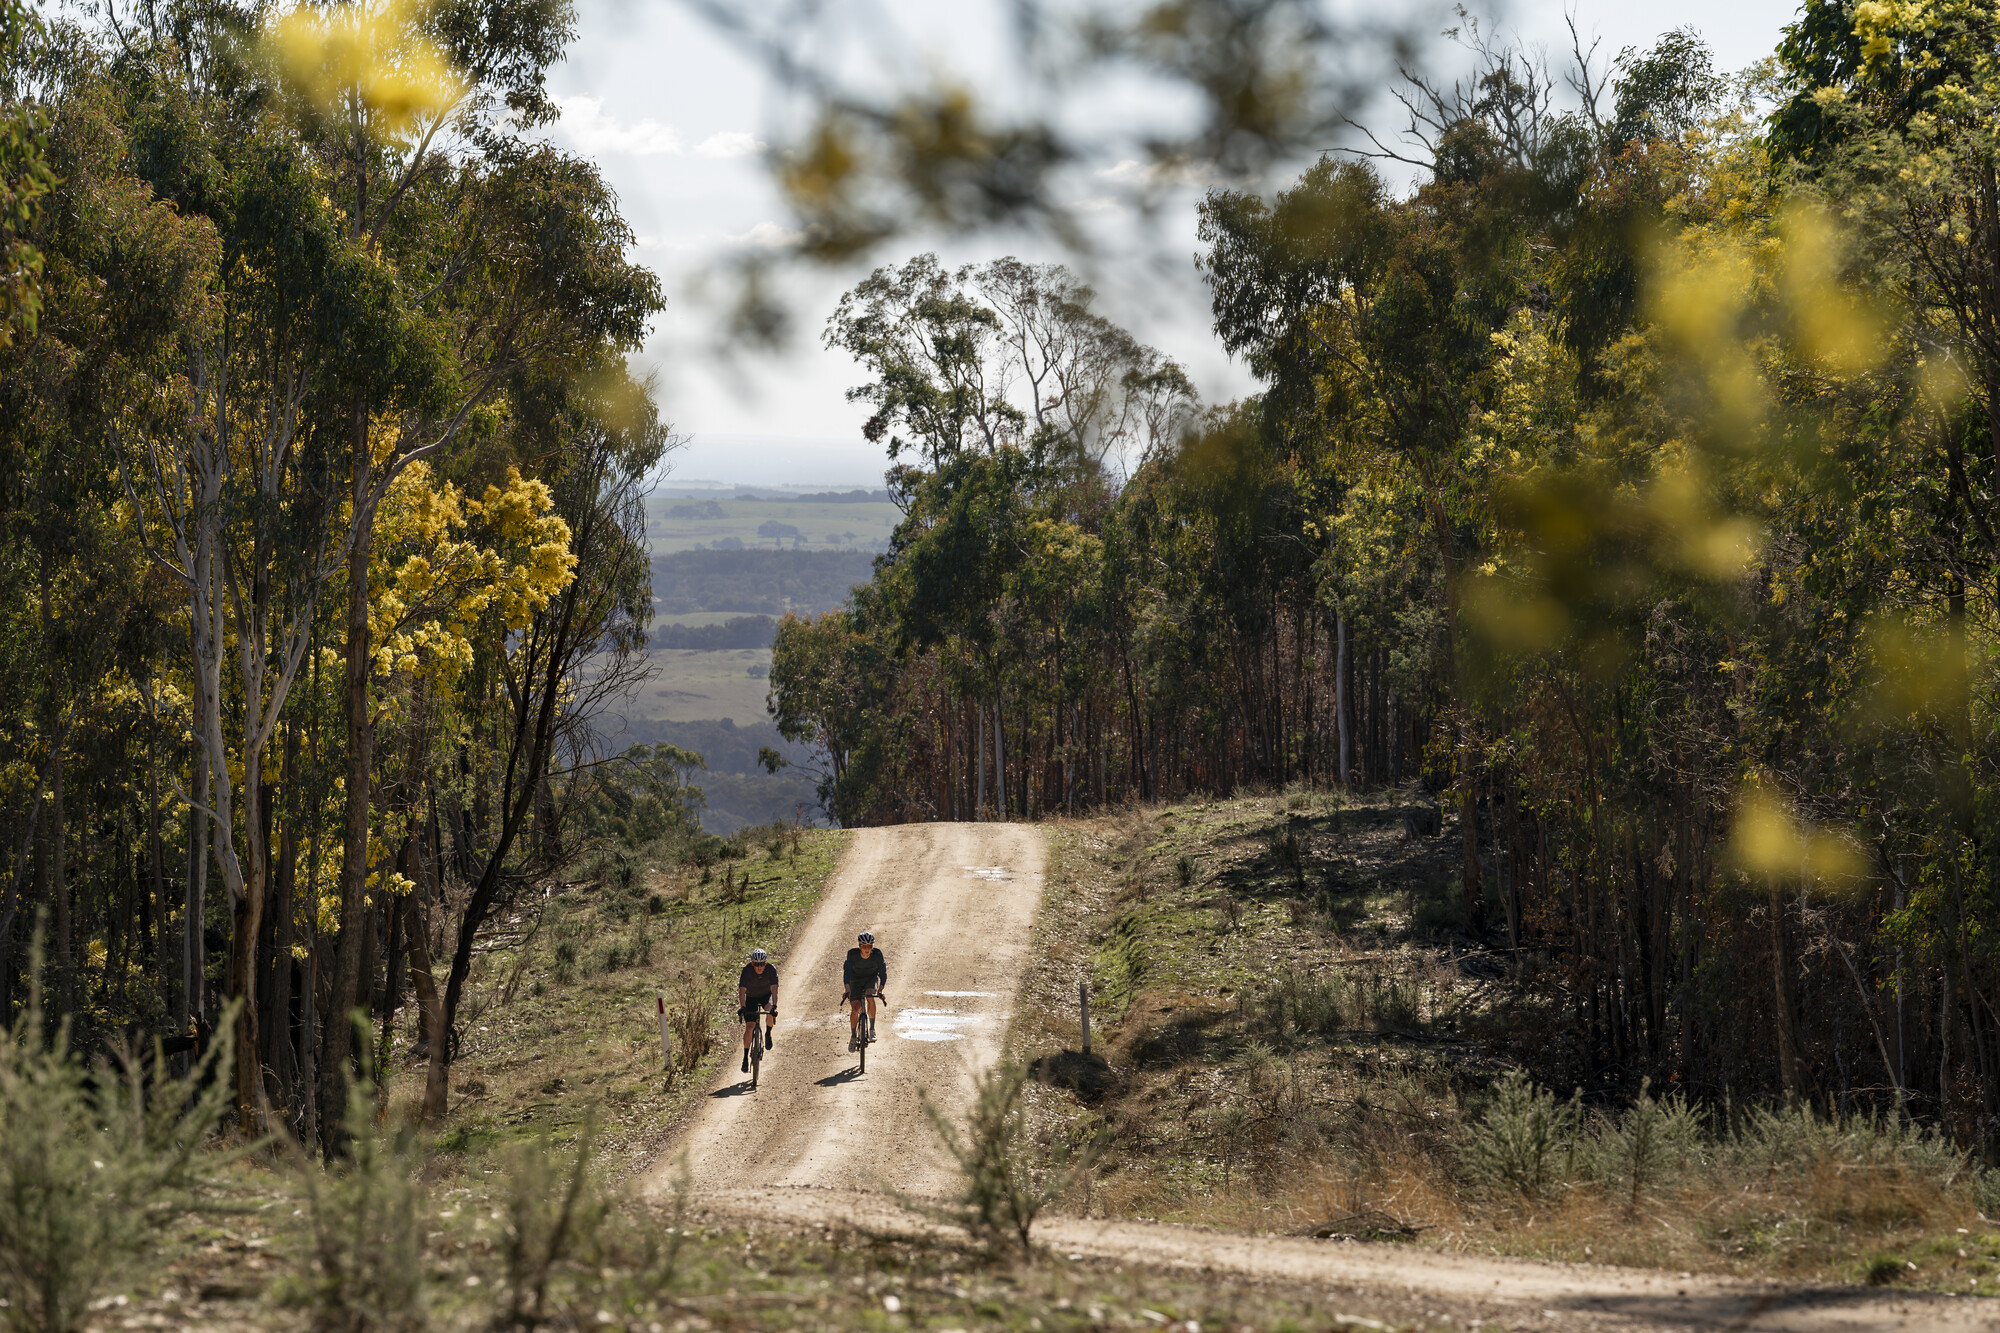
{"points": [[1651, 1143], [551, 1213], [1525, 1143], [91, 1162], [362, 1269], [1005, 1180]]}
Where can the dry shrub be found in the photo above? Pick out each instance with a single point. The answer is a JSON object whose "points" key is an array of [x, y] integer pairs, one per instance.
{"points": [[552, 1212], [1876, 1196], [1005, 1180], [690, 1017], [363, 1269], [90, 1163]]}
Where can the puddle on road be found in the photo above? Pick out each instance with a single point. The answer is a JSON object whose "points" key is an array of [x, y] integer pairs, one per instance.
{"points": [[932, 1024], [964, 994], [988, 872]]}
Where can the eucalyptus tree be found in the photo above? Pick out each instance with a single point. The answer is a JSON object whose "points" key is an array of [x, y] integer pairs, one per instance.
{"points": [[122, 279], [547, 679]]}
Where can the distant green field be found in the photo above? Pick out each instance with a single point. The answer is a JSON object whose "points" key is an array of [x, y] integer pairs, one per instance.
{"points": [[674, 525], [694, 687], [693, 617]]}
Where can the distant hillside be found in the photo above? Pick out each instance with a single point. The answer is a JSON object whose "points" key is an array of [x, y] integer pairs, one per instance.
{"points": [[756, 582], [820, 497], [736, 632]]}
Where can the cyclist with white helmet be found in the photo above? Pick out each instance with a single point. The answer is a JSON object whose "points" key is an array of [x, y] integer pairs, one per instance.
{"points": [[757, 992], [862, 978]]}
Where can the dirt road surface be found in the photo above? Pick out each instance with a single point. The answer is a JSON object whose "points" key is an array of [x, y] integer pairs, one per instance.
{"points": [[952, 907], [820, 1145]]}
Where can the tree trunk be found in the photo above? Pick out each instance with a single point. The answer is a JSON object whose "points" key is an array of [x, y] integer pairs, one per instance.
{"points": [[979, 765], [156, 869], [431, 1004], [194, 951], [1340, 697], [1789, 1073], [280, 1053], [338, 1047], [248, 915], [392, 989], [999, 760], [65, 968]]}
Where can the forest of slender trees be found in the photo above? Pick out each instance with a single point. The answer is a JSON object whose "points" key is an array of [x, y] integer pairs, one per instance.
{"points": [[1626, 487], [321, 472]]}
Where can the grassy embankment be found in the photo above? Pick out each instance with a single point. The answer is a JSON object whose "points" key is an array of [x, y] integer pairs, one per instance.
{"points": [[566, 1025], [1294, 1036]]}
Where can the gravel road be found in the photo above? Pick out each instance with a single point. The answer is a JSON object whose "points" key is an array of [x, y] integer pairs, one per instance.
{"points": [[953, 905]]}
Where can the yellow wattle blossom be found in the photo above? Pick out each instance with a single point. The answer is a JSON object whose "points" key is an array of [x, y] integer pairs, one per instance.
{"points": [[1768, 838], [445, 564], [372, 53]]}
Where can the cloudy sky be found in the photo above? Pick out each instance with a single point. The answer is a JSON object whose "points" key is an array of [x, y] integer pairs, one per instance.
{"points": [[678, 117]]}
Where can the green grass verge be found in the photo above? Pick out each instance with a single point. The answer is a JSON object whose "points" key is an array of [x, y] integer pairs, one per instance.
{"points": [[566, 1023]]}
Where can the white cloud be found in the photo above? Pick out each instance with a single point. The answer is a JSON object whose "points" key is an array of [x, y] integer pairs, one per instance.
{"points": [[768, 236], [590, 130], [586, 126], [763, 236], [729, 143], [1154, 174]]}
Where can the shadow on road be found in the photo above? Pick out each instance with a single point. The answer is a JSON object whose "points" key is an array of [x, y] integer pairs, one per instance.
{"points": [[733, 1090], [847, 1075], [1797, 1311]]}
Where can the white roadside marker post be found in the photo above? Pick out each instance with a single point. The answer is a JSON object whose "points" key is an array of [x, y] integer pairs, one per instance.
{"points": [[1083, 1003], [666, 1034]]}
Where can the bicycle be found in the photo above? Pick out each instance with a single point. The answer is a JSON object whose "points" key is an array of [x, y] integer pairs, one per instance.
{"points": [[862, 1034], [757, 1040]]}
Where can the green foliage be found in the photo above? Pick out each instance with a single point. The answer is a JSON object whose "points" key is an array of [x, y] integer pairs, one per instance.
{"points": [[91, 1162], [25, 177], [362, 1265], [1005, 1178], [553, 1211], [1525, 1142], [1796, 1139], [1652, 1142]]}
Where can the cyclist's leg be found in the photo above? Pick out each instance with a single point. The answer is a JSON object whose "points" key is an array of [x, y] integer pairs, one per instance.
{"points": [[871, 1012]]}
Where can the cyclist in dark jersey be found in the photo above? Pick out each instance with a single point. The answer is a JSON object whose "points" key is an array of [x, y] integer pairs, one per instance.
{"points": [[756, 991], [862, 977]]}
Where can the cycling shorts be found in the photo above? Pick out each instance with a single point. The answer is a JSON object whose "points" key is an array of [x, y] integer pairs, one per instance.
{"points": [[752, 1007]]}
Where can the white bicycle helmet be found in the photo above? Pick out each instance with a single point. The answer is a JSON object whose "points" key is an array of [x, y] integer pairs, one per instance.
{"points": [[759, 956], [866, 937]]}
